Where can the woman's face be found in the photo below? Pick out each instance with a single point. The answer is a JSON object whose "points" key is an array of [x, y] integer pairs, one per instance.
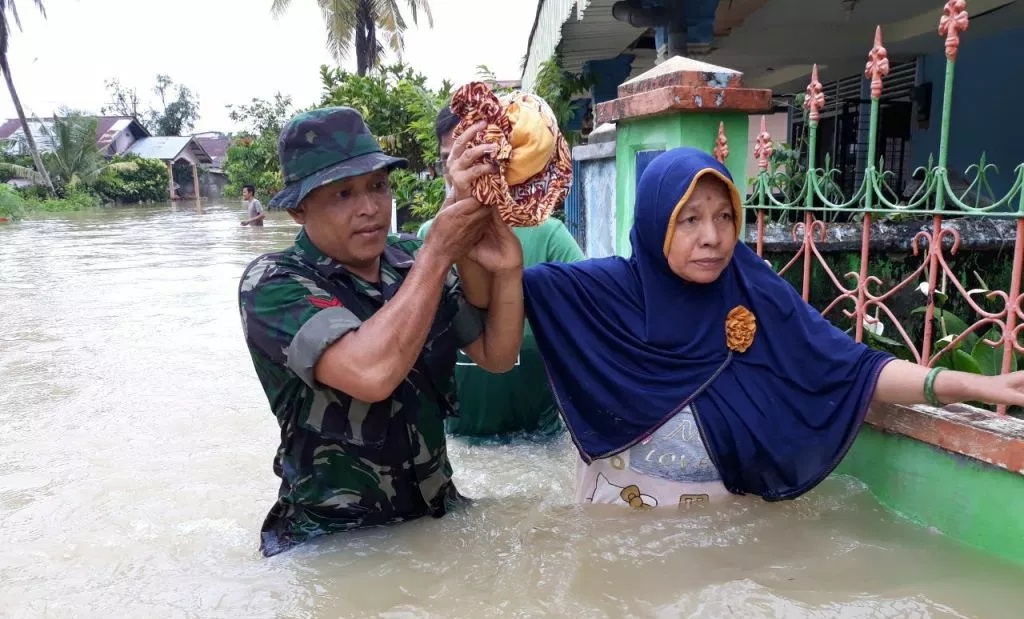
{"points": [[704, 233]]}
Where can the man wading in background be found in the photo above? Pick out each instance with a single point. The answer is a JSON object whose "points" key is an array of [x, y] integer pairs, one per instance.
{"points": [[252, 207]]}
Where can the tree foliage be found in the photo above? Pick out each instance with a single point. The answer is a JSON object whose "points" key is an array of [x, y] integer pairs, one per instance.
{"points": [[76, 160], [252, 157], [370, 26], [82, 175], [8, 7], [176, 114], [399, 108], [396, 103], [557, 87], [145, 180]]}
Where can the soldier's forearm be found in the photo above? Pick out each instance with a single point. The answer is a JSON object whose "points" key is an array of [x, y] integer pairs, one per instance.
{"points": [[369, 363]]}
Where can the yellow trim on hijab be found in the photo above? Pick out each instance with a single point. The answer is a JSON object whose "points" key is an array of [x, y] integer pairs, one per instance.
{"points": [[737, 205]]}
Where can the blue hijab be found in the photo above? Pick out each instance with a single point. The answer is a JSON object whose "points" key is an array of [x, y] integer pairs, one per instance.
{"points": [[628, 344]]}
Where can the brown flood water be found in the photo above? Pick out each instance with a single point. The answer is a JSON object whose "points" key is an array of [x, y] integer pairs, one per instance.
{"points": [[135, 470]]}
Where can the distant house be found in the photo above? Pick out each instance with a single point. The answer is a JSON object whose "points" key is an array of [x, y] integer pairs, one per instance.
{"points": [[184, 156], [114, 135], [216, 145], [181, 154]]}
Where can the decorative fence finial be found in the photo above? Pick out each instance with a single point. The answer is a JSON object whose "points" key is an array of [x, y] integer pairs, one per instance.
{"points": [[721, 144], [878, 64], [815, 99], [763, 148], [954, 21]]}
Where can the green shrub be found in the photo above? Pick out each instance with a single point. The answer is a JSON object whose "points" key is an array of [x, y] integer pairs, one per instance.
{"points": [[147, 182], [76, 199], [12, 204], [421, 199]]}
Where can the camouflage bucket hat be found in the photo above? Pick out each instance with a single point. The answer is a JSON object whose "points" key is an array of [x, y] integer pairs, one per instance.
{"points": [[322, 146]]}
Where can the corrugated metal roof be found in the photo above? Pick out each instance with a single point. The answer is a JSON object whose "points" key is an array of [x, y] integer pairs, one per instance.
{"points": [[547, 33], [168, 148], [598, 35], [159, 147]]}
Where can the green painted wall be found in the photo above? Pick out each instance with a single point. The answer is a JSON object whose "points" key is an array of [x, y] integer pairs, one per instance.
{"points": [[977, 504], [697, 129]]}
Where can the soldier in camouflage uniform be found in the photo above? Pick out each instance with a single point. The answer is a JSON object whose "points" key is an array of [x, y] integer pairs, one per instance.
{"points": [[353, 333]]}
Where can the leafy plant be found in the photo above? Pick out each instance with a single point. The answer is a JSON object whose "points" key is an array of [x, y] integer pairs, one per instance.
{"points": [[8, 8], [77, 198], [12, 205], [75, 160], [558, 87], [7, 173], [370, 26], [971, 354], [252, 157], [397, 105], [146, 181], [178, 112], [422, 198], [484, 74]]}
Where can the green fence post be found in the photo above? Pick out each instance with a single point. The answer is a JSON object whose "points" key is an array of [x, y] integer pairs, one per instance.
{"points": [[680, 102]]}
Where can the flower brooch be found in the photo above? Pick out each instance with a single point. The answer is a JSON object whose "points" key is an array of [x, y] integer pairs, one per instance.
{"points": [[740, 327]]}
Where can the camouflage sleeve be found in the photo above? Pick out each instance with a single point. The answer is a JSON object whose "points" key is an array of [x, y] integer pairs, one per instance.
{"points": [[292, 321]]}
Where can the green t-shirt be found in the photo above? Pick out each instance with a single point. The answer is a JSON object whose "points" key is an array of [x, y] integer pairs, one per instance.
{"points": [[519, 400]]}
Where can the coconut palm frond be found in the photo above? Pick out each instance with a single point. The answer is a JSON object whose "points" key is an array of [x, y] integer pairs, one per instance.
{"points": [[20, 171], [368, 26]]}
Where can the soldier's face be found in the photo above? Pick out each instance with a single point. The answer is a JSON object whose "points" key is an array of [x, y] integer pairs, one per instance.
{"points": [[349, 219]]}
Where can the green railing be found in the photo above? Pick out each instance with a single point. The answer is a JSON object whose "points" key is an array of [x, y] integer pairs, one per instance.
{"points": [[810, 195]]}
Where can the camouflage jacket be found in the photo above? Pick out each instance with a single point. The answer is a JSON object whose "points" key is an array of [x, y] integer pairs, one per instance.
{"points": [[344, 463]]}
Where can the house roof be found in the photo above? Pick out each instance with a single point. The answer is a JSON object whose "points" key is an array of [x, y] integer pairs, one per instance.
{"points": [[169, 148], [215, 144], [107, 128], [41, 129]]}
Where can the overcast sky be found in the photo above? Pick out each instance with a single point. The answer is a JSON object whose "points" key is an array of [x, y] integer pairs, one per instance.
{"points": [[229, 51]]}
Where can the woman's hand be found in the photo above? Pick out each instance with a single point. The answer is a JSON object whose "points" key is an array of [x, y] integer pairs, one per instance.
{"points": [[1005, 389], [902, 382], [465, 165], [499, 250], [456, 230]]}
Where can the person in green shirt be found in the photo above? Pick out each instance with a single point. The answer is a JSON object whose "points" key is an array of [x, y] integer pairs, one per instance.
{"points": [[519, 401]]}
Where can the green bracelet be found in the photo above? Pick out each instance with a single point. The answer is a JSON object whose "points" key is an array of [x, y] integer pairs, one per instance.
{"points": [[929, 386]]}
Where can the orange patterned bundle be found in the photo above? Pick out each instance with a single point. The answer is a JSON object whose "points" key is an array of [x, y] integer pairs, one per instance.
{"points": [[522, 202]]}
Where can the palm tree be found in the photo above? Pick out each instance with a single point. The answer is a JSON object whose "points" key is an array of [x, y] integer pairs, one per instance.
{"points": [[7, 6], [76, 160], [368, 24]]}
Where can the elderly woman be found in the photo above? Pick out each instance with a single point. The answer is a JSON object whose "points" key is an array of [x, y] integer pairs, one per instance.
{"points": [[692, 370]]}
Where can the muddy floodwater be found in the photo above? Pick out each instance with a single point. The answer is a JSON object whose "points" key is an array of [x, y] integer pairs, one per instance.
{"points": [[135, 471]]}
